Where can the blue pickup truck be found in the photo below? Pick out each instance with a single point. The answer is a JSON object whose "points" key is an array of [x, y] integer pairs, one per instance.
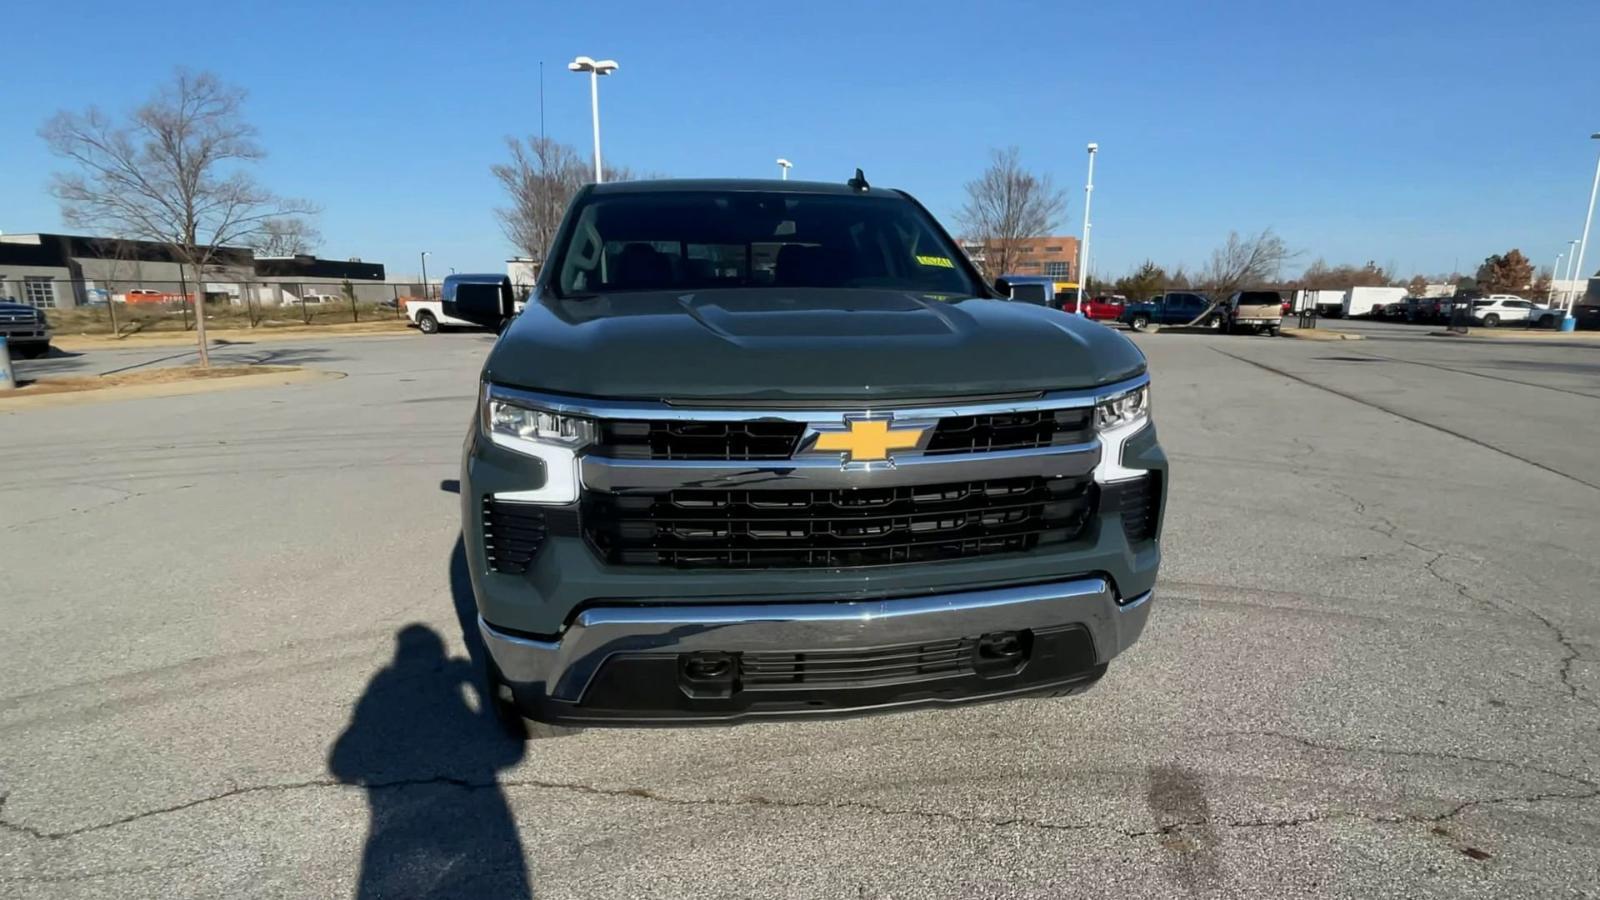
{"points": [[1171, 308]]}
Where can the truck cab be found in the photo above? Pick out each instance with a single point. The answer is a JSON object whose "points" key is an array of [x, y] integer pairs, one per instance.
{"points": [[1253, 311], [1171, 308]]}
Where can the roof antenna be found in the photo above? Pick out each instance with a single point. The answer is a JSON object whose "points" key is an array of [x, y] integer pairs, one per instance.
{"points": [[859, 182]]}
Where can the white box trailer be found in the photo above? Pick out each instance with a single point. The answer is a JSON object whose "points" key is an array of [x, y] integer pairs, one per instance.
{"points": [[1360, 301], [1326, 303]]}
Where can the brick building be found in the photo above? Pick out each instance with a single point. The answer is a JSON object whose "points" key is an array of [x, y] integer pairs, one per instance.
{"points": [[1051, 257]]}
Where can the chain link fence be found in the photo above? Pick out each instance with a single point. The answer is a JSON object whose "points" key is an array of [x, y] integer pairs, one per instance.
{"points": [[125, 307]]}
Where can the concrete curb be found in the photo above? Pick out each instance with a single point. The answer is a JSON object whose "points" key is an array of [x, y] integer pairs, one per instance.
{"points": [[1530, 335], [1320, 334], [279, 376]]}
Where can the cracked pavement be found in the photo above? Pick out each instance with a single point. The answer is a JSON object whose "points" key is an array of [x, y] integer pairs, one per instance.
{"points": [[234, 665]]}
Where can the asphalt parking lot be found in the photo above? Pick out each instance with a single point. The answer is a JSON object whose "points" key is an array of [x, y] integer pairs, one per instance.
{"points": [[233, 663]]}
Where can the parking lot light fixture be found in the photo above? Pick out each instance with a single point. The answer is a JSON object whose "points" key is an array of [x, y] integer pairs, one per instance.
{"points": [[784, 166], [1583, 243], [595, 68], [1572, 257], [426, 293], [1083, 249]]}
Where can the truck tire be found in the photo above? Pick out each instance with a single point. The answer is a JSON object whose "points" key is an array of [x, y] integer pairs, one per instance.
{"points": [[1139, 323], [426, 323], [1491, 321], [1215, 324]]}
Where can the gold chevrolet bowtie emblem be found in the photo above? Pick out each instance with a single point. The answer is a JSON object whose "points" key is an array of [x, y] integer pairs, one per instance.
{"points": [[870, 439]]}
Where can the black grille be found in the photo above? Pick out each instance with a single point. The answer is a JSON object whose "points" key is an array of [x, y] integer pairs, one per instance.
{"points": [[1011, 431], [699, 440], [766, 670], [695, 528], [754, 440], [512, 534], [1139, 502]]}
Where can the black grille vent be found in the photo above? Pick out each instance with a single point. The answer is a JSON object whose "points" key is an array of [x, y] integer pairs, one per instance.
{"points": [[512, 534], [671, 439], [775, 671], [1138, 500], [699, 440], [1011, 431], [836, 528]]}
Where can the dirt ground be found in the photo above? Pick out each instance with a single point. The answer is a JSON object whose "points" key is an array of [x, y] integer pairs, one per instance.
{"points": [[75, 383], [75, 342]]}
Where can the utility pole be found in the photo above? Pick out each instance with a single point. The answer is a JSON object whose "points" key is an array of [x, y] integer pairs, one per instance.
{"points": [[1083, 249], [1567, 321]]}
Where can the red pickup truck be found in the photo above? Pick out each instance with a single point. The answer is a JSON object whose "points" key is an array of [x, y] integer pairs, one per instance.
{"points": [[1104, 309]]}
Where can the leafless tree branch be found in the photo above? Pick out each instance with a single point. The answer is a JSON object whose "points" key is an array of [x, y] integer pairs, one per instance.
{"points": [[172, 172], [540, 180], [1007, 206]]}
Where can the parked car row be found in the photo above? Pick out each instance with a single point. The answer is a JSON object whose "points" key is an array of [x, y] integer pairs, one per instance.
{"points": [[1490, 312]]}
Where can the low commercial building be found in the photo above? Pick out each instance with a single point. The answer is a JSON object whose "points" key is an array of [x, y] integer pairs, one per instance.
{"points": [[60, 271]]}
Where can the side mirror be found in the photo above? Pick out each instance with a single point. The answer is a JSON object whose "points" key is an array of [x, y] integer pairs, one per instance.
{"points": [[483, 303], [1003, 287]]}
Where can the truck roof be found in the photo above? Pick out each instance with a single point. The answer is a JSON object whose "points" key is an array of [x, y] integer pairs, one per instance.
{"points": [[656, 185]]}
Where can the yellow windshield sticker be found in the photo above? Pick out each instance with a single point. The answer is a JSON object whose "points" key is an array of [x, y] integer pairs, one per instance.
{"points": [[942, 262]]}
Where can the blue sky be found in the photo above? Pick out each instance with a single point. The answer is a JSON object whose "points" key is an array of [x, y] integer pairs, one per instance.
{"points": [[1425, 134]]}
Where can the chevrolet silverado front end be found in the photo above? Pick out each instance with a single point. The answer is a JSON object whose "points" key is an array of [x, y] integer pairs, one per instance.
{"points": [[765, 449]]}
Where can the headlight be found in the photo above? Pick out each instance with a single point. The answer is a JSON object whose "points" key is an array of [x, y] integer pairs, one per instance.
{"points": [[551, 438], [1123, 409], [506, 419]]}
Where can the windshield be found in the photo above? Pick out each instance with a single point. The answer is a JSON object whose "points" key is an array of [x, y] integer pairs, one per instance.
{"points": [[1030, 293], [701, 240]]}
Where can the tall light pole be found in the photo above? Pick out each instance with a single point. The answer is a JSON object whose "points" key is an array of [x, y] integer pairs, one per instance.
{"points": [[1567, 323], [784, 166], [1083, 249], [1555, 276], [427, 293], [1566, 280], [595, 68]]}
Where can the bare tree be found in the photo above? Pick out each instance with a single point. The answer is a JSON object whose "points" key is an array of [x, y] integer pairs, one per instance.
{"points": [[541, 179], [286, 236], [1244, 262], [1321, 276], [172, 172], [1008, 206]]}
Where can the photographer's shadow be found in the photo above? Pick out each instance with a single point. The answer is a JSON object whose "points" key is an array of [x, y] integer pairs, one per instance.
{"points": [[428, 757]]}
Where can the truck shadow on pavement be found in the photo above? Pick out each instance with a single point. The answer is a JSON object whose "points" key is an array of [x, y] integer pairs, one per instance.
{"points": [[425, 746]]}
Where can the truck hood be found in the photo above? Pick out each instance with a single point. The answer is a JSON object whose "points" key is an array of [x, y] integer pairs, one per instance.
{"points": [[803, 344]]}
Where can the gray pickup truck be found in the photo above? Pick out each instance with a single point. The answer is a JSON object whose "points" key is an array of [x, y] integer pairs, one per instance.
{"points": [[26, 330], [766, 449]]}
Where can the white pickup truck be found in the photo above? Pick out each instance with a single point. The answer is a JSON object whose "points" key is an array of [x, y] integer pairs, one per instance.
{"points": [[432, 315]]}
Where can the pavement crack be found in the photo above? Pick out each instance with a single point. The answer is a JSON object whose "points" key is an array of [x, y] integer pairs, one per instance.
{"points": [[1438, 755]]}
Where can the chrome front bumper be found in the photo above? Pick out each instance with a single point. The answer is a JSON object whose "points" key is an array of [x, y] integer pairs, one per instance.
{"points": [[562, 670]]}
